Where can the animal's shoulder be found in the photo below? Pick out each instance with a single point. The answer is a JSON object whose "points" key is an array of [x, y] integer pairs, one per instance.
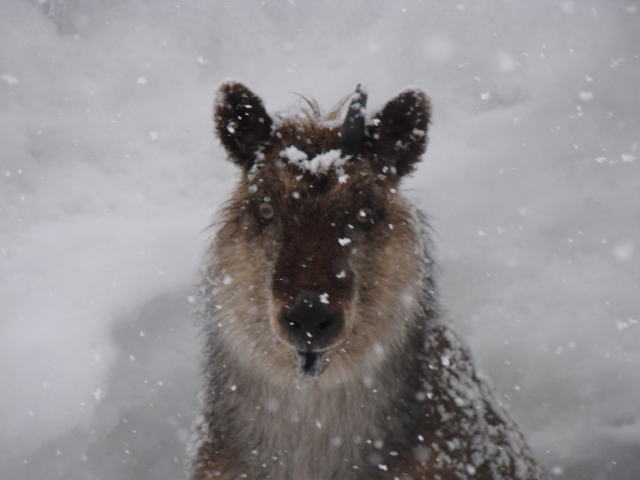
{"points": [[466, 427]]}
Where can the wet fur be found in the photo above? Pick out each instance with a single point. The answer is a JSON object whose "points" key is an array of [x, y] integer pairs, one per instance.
{"points": [[399, 396]]}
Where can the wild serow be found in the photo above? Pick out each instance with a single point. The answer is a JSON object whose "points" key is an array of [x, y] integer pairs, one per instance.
{"points": [[326, 354]]}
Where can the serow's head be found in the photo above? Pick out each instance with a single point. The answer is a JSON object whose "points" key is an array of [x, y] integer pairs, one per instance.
{"points": [[319, 262]]}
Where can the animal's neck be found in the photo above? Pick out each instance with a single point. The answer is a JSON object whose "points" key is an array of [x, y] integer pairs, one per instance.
{"points": [[307, 427]]}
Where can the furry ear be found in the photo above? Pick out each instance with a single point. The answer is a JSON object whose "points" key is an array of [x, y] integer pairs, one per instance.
{"points": [[241, 122], [398, 133]]}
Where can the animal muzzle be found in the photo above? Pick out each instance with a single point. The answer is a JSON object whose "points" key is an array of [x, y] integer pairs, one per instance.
{"points": [[311, 324]]}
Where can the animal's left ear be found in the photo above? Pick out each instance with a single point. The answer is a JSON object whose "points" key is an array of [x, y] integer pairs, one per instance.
{"points": [[241, 122], [397, 135]]}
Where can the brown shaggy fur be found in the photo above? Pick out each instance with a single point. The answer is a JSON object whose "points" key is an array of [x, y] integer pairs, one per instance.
{"points": [[393, 394]]}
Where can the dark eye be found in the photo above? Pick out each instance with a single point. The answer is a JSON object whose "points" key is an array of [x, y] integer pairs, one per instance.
{"points": [[266, 211], [364, 217]]}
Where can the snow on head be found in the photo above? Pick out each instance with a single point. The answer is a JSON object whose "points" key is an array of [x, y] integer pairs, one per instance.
{"points": [[321, 163], [294, 155]]}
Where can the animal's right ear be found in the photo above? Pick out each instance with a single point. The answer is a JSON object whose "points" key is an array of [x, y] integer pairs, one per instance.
{"points": [[241, 122]]}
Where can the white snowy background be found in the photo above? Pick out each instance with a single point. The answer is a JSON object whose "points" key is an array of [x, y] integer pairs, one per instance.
{"points": [[109, 175]]}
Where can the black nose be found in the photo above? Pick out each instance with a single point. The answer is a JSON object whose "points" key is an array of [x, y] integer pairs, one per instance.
{"points": [[311, 323]]}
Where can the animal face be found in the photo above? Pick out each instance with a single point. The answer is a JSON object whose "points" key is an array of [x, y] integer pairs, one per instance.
{"points": [[318, 261]]}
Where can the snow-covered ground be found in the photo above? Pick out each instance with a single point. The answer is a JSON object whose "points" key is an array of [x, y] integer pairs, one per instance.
{"points": [[109, 176]]}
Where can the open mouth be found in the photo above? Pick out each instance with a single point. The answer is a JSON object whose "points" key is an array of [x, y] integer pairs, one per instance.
{"points": [[311, 363]]}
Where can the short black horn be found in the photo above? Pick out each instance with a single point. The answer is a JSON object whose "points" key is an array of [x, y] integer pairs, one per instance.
{"points": [[352, 133]]}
